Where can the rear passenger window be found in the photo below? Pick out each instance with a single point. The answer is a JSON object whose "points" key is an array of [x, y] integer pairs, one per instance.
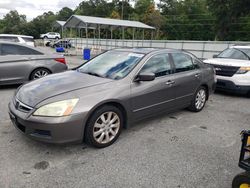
{"points": [[28, 39], [182, 62], [9, 49], [158, 64], [9, 39]]}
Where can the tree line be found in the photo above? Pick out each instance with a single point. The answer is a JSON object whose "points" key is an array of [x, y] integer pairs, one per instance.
{"points": [[173, 19]]}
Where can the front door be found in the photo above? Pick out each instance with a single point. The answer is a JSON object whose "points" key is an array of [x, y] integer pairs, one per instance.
{"points": [[150, 97]]}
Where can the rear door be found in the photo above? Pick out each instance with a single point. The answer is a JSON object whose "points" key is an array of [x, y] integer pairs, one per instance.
{"points": [[187, 78], [51, 35], [150, 97], [14, 62]]}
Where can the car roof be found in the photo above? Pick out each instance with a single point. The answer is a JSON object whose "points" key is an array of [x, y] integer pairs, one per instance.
{"points": [[241, 46], [147, 50], [20, 44], [13, 35]]}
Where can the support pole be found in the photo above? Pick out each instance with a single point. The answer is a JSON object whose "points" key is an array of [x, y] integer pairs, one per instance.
{"points": [[94, 37], [86, 29], [62, 32], [142, 37], [152, 34], [111, 32], [133, 37], [99, 36], [111, 41], [123, 37]]}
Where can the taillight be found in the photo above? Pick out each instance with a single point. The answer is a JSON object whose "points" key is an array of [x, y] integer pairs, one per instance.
{"points": [[61, 60]]}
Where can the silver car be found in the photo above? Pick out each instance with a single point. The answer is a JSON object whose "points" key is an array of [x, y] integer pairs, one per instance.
{"points": [[110, 92], [20, 63]]}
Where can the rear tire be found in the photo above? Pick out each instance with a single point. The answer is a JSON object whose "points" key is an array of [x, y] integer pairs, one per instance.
{"points": [[242, 180], [199, 100], [39, 73], [104, 126]]}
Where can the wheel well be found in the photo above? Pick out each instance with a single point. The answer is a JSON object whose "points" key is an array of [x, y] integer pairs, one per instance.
{"points": [[117, 105], [207, 90], [37, 69]]}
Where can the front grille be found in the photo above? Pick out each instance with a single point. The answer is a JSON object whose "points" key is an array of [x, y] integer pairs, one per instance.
{"points": [[21, 106], [222, 70]]}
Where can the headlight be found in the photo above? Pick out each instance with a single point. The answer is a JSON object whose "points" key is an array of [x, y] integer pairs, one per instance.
{"points": [[243, 70], [57, 109]]}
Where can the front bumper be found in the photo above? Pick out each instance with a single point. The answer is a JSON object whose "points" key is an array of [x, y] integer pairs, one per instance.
{"points": [[226, 85], [49, 129]]}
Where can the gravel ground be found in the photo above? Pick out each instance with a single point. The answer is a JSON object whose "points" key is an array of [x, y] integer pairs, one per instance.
{"points": [[182, 149]]}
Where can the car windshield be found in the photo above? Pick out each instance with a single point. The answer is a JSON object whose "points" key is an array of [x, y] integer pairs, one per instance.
{"points": [[235, 53], [112, 64]]}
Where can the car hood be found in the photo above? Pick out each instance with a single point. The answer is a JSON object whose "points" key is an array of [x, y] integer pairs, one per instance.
{"points": [[39, 90], [228, 62]]}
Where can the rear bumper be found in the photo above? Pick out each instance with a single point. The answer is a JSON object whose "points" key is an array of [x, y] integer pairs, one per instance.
{"points": [[226, 85], [49, 129]]}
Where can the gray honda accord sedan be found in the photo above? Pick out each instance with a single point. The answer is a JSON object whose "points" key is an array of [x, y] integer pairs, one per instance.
{"points": [[110, 92]]}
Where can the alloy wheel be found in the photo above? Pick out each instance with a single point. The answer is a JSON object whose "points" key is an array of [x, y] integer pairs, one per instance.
{"points": [[106, 127], [40, 74], [200, 99]]}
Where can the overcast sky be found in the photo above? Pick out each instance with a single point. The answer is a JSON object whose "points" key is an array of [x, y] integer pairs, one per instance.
{"points": [[33, 8]]}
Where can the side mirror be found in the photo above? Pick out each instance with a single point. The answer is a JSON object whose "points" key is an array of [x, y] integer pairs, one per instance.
{"points": [[145, 77], [215, 56]]}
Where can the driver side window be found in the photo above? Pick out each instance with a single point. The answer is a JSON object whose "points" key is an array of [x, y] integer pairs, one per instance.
{"points": [[158, 64]]}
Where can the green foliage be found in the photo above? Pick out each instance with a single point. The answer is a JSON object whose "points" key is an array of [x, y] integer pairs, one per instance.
{"points": [[141, 6], [227, 14], [13, 23], [41, 24], [99, 8], [124, 8], [115, 15], [189, 19], [64, 13]]}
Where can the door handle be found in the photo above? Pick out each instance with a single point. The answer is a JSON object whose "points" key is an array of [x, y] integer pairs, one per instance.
{"points": [[197, 75], [170, 82]]}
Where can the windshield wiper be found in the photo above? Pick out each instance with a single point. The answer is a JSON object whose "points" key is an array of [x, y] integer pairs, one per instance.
{"points": [[93, 74]]}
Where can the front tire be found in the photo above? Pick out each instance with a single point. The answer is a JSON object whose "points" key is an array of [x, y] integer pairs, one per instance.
{"points": [[241, 180], [199, 100], [104, 126]]}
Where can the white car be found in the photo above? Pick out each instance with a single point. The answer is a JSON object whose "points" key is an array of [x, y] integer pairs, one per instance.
{"points": [[23, 39], [232, 68], [50, 35]]}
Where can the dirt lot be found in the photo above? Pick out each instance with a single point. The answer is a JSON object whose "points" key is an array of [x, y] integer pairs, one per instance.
{"points": [[181, 149]]}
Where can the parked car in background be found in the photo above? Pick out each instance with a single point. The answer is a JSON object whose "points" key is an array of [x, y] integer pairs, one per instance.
{"points": [[109, 92], [50, 35], [23, 39], [232, 69], [61, 43], [20, 63]]}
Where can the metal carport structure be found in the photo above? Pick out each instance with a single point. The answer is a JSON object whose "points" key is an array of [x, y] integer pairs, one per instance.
{"points": [[59, 24], [96, 23]]}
